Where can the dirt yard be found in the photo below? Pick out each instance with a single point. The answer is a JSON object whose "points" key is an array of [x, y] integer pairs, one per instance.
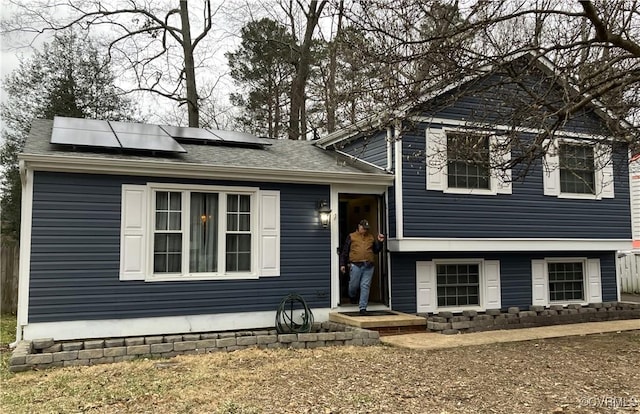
{"points": [[595, 373]]}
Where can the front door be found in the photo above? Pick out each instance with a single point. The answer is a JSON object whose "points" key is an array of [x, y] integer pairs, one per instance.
{"points": [[351, 209]]}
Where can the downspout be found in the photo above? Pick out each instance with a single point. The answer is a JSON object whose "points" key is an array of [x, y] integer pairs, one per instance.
{"points": [[397, 141], [389, 148]]}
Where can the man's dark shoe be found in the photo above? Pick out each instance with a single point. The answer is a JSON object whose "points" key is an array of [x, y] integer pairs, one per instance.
{"points": [[363, 311]]}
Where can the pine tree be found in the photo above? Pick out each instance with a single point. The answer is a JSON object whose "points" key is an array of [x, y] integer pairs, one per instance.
{"points": [[67, 77]]}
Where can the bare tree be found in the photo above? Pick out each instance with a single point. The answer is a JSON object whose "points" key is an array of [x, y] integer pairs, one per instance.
{"points": [[301, 60], [592, 49], [145, 38]]}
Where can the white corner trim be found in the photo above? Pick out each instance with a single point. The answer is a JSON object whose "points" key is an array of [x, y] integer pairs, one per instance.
{"points": [[115, 328], [505, 244], [26, 215], [398, 182]]}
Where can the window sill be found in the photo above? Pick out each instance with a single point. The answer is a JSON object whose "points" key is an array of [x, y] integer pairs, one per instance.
{"points": [[579, 196], [470, 191], [459, 309], [203, 277]]}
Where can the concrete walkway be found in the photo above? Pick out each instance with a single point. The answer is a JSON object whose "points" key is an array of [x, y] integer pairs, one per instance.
{"points": [[432, 340]]}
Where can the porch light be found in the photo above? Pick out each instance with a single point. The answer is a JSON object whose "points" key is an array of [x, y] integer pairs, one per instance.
{"points": [[325, 213]]}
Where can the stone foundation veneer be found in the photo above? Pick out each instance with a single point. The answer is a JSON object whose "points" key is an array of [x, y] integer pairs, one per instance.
{"points": [[495, 319], [46, 353]]}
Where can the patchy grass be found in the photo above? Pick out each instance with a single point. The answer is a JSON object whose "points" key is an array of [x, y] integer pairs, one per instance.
{"points": [[7, 329], [7, 336], [552, 375]]}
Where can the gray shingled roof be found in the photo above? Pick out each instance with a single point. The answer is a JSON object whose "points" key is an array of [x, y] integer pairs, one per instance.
{"points": [[284, 155]]}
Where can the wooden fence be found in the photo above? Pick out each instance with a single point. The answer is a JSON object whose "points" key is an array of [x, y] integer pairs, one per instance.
{"points": [[9, 258], [629, 271]]}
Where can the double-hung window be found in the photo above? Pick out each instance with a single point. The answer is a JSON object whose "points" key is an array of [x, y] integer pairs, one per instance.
{"points": [[467, 162], [577, 169], [177, 232], [458, 284], [566, 280], [574, 168]]}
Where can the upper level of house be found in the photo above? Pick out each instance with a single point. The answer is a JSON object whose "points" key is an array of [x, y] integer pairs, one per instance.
{"points": [[483, 160]]}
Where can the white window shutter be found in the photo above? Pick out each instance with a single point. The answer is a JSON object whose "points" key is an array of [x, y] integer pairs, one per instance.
{"points": [[269, 233], [426, 294], [551, 168], [500, 156], [492, 284], [604, 171], [540, 283], [436, 161], [594, 290], [133, 232]]}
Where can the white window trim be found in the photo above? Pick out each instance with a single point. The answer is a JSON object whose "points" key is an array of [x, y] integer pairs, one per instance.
{"points": [[437, 164], [222, 219], [137, 223], [592, 281], [603, 170], [489, 290]]}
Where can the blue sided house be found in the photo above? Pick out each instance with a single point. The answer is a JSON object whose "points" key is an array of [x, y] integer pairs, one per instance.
{"points": [[134, 229]]}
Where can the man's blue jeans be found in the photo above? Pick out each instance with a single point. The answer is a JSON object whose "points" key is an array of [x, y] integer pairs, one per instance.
{"points": [[360, 277]]}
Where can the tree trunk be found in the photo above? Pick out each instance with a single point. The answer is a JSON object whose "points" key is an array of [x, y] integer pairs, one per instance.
{"points": [[302, 71], [331, 104], [189, 67]]}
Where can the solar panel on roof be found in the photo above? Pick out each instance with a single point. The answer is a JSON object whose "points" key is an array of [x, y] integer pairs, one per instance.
{"points": [[80, 123], [189, 133], [112, 134], [132, 128], [68, 136], [149, 142], [236, 137]]}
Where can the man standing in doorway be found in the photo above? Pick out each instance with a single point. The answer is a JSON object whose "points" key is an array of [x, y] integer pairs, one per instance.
{"points": [[359, 253]]}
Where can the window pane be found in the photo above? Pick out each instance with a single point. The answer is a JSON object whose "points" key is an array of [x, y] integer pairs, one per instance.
{"points": [[244, 243], [175, 242], [232, 243], [244, 262], [159, 263], [176, 201], [174, 263], [162, 200], [245, 222], [232, 202], [204, 233], [232, 222], [245, 203], [160, 243], [174, 221], [162, 220]]}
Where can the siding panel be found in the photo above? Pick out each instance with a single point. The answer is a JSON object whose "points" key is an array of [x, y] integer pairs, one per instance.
{"points": [[525, 213], [75, 256], [515, 275], [372, 149]]}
